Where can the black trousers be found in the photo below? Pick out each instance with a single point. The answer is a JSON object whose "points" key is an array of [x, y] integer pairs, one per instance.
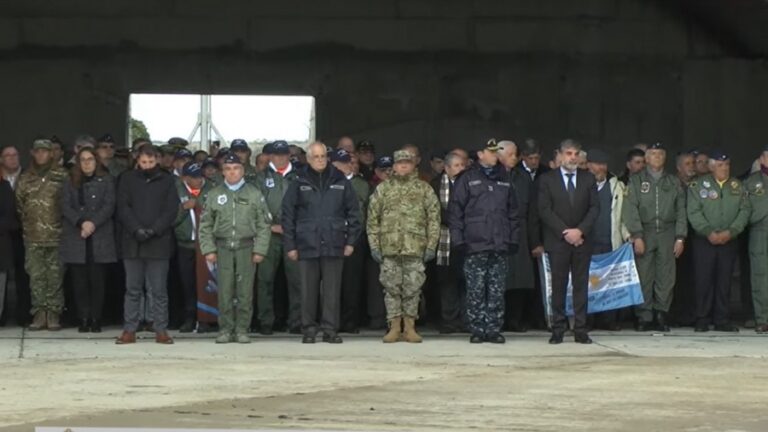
{"points": [[187, 306], [453, 291], [377, 311], [714, 269], [88, 288], [576, 261], [21, 278], [683, 308], [352, 286], [314, 271]]}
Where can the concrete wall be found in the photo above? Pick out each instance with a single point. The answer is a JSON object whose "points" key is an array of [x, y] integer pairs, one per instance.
{"points": [[439, 73]]}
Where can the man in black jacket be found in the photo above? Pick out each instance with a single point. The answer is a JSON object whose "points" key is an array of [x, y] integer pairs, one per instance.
{"points": [[147, 204], [568, 207], [321, 221], [483, 221]]}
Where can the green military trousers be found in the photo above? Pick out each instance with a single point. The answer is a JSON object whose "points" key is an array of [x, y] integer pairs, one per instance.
{"points": [[402, 278], [235, 283], [656, 268], [266, 285], [758, 260]]}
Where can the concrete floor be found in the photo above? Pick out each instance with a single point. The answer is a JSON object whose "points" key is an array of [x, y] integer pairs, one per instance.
{"points": [[626, 381]]}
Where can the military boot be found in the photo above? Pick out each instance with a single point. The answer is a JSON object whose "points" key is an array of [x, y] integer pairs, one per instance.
{"points": [[410, 330], [393, 335], [53, 321], [38, 322]]}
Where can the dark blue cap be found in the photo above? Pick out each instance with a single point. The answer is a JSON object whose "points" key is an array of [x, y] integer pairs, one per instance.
{"points": [[209, 162], [192, 169], [341, 155], [656, 146], [222, 152], [231, 158], [719, 155], [365, 146], [106, 138], [239, 144], [268, 149], [281, 147], [385, 162], [182, 154]]}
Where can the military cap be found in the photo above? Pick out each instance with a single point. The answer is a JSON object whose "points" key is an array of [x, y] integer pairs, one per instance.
{"points": [[239, 145], [656, 146], [231, 158], [56, 140], [719, 155], [167, 149], [42, 143], [106, 138], [597, 156], [281, 147], [365, 146], [268, 149], [385, 162], [192, 169], [223, 152], [403, 156], [178, 142], [491, 145], [341, 155], [182, 154]]}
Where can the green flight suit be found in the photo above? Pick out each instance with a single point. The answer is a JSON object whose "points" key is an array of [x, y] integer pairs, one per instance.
{"points": [[755, 187], [654, 210]]}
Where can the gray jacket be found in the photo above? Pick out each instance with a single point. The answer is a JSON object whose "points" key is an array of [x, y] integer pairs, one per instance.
{"points": [[99, 197]]}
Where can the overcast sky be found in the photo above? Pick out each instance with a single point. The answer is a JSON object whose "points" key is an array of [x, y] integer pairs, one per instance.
{"points": [[247, 117]]}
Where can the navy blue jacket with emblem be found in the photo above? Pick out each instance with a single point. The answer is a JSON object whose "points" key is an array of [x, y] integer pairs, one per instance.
{"points": [[483, 212], [320, 214]]}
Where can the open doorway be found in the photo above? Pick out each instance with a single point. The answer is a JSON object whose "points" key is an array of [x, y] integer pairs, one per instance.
{"points": [[208, 121]]}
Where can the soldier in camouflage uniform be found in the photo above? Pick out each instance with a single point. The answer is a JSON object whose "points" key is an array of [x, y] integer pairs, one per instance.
{"points": [[38, 195], [243, 151], [234, 233], [403, 231]]}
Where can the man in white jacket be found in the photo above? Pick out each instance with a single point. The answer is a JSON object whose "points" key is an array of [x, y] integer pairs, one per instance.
{"points": [[609, 232]]}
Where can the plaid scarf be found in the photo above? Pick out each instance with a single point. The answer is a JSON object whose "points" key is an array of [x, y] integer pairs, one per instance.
{"points": [[444, 246]]}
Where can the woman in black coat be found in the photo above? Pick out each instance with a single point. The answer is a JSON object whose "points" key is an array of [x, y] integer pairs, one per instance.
{"points": [[87, 236]]}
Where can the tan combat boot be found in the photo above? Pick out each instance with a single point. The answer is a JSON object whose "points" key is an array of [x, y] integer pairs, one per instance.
{"points": [[410, 330], [53, 321], [38, 322], [394, 330]]}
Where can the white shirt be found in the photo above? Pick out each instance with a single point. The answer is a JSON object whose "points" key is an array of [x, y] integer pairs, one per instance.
{"points": [[288, 168], [12, 178], [600, 184], [530, 171], [563, 173]]}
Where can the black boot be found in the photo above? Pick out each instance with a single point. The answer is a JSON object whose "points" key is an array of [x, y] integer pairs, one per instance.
{"points": [[96, 326], [188, 326], [83, 328], [662, 323]]}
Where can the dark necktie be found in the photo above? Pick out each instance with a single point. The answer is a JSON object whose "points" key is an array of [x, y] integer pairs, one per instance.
{"points": [[571, 188]]}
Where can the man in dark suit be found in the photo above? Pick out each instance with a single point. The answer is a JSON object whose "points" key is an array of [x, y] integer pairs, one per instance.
{"points": [[568, 207]]}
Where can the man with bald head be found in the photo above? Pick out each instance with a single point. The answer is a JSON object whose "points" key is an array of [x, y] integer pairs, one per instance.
{"points": [[321, 223]]}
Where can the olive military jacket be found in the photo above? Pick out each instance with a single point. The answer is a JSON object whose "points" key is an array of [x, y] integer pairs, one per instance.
{"points": [[38, 195], [755, 186], [656, 205], [712, 208]]}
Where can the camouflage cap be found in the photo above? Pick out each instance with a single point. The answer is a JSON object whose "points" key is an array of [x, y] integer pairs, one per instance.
{"points": [[403, 156], [42, 143]]}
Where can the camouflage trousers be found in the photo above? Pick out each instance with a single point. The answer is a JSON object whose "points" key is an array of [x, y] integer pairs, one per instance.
{"points": [[402, 277], [486, 275], [45, 277]]}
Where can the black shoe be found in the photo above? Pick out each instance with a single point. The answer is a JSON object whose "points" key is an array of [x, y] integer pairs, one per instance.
{"points": [[662, 322], [332, 339], [701, 328], [295, 330], [95, 326], [308, 339], [582, 339], [266, 331], [476, 339], [495, 338], [556, 339], [188, 326], [729, 328], [84, 327]]}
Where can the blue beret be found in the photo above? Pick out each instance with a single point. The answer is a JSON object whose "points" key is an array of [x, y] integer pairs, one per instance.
{"points": [[239, 144], [340, 155], [385, 162], [231, 158], [281, 147], [192, 169]]}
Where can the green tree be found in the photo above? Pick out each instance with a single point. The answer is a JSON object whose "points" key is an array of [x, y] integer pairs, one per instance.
{"points": [[138, 130]]}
